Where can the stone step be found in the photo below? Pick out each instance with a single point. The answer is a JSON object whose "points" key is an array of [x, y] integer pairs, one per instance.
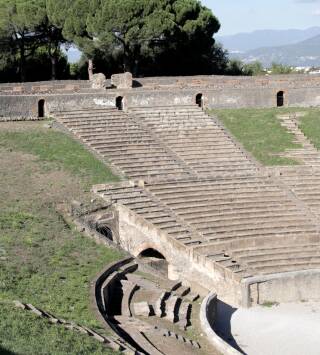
{"points": [[172, 305], [184, 315], [230, 199], [129, 288], [204, 212], [160, 305], [253, 242], [276, 267], [248, 181], [230, 203], [260, 235], [216, 224], [111, 139], [182, 291], [294, 257], [141, 340], [272, 250], [141, 309], [214, 189]]}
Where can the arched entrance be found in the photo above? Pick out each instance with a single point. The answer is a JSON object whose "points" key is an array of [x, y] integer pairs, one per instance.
{"points": [[199, 100], [154, 259], [280, 98], [105, 231], [119, 103], [41, 108]]}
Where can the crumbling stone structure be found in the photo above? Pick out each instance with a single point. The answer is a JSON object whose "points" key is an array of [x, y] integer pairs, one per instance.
{"points": [[122, 81]]}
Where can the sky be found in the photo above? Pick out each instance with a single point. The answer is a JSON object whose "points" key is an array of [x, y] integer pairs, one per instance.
{"points": [[238, 16]]}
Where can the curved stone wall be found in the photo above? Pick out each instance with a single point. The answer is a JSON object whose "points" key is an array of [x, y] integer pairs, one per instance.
{"points": [[208, 314]]}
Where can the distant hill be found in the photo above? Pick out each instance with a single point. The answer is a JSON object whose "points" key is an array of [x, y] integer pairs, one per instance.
{"points": [[244, 42], [304, 53]]}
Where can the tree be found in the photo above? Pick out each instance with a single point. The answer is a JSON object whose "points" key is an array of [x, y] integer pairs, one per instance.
{"points": [[72, 16], [280, 69], [255, 68], [29, 28], [235, 67], [151, 33], [21, 19]]}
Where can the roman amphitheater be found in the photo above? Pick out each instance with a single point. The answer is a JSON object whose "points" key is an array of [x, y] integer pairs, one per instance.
{"points": [[192, 203]]}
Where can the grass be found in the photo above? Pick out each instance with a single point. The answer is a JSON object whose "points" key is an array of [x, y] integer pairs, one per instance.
{"points": [[57, 148], [269, 304], [30, 329], [43, 260], [310, 126], [260, 132]]}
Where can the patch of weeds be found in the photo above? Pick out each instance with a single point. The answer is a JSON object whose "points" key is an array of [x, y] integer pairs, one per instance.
{"points": [[16, 220], [310, 126], [270, 304]]}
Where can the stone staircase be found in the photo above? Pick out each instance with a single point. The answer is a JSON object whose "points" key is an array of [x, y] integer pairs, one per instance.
{"points": [[195, 138], [304, 183], [193, 183], [127, 302], [307, 154], [160, 143], [222, 219], [118, 139]]}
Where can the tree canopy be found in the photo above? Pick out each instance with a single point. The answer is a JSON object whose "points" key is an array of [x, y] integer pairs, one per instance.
{"points": [[147, 34], [24, 28], [146, 37]]}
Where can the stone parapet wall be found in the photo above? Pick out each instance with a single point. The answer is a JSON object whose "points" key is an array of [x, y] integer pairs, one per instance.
{"points": [[168, 83], [295, 286], [221, 82], [217, 92], [44, 87]]}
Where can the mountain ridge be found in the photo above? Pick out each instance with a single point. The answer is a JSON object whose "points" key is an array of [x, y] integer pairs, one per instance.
{"points": [[302, 54], [247, 41]]}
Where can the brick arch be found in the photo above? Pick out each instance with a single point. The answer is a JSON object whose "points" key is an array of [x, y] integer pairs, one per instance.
{"points": [[281, 98], [199, 99], [41, 107], [144, 246]]}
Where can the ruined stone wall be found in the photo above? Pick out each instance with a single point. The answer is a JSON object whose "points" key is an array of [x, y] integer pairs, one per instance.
{"points": [[137, 235], [41, 87], [21, 100], [26, 106]]}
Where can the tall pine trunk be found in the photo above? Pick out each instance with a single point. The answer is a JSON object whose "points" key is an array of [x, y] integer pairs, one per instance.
{"points": [[53, 67], [22, 63], [90, 68]]}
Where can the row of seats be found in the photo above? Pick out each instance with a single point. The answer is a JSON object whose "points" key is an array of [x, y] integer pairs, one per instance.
{"points": [[201, 189], [196, 138], [120, 140]]}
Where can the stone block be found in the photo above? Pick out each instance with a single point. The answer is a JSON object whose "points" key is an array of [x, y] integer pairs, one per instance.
{"points": [[141, 309], [19, 304], [98, 81], [122, 81]]}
